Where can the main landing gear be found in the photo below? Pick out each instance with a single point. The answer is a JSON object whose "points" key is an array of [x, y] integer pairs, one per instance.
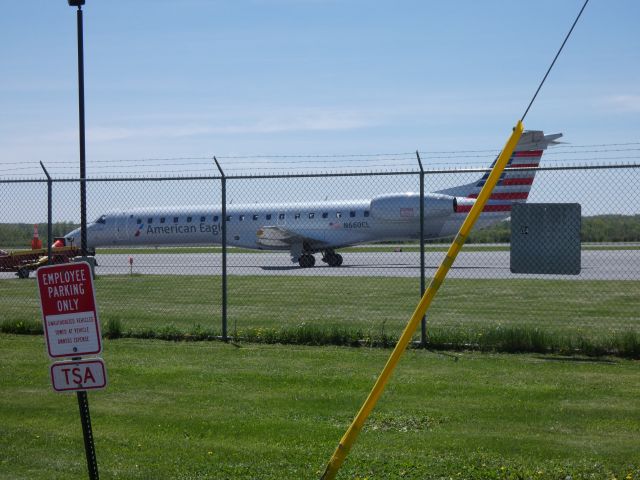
{"points": [[330, 257]]}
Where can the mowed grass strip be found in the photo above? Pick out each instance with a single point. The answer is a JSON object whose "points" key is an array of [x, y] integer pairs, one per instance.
{"points": [[371, 306], [213, 410]]}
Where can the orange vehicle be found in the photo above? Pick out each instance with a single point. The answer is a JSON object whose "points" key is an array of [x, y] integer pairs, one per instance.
{"points": [[23, 262]]}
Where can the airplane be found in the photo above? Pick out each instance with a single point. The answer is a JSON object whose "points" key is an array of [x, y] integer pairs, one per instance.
{"points": [[307, 228]]}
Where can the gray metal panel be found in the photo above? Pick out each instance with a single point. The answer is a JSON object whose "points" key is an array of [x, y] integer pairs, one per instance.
{"points": [[545, 238]]}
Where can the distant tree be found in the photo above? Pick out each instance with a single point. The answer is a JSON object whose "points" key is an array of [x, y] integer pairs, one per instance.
{"points": [[19, 235], [598, 228]]}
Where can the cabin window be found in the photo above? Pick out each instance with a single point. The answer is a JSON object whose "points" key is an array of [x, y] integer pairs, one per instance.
{"points": [[102, 219], [352, 213], [297, 216], [325, 214], [215, 218], [311, 215], [149, 220], [161, 219], [255, 217], [236, 237], [281, 216], [241, 218], [203, 219], [189, 219], [228, 218], [139, 221], [175, 219], [268, 216], [338, 214], [366, 213]]}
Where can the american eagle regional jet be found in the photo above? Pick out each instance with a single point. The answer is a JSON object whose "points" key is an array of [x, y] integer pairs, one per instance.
{"points": [[307, 228]]}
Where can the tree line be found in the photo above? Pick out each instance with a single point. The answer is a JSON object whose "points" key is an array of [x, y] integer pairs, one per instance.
{"points": [[19, 235], [598, 228]]}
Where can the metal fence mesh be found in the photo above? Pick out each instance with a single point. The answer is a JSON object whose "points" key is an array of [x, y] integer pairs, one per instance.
{"points": [[179, 288]]}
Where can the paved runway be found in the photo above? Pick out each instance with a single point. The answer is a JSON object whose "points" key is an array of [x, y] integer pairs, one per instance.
{"points": [[596, 265]]}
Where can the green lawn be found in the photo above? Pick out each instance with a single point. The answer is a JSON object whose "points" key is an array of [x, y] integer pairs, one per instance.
{"points": [[212, 410], [372, 306]]}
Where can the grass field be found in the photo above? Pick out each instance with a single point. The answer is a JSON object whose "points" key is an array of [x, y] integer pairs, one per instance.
{"points": [[217, 411], [465, 310]]}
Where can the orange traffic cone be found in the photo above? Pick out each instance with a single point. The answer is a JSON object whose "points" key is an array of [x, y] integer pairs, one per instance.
{"points": [[36, 243]]}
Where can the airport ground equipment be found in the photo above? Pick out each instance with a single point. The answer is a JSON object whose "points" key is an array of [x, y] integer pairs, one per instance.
{"points": [[23, 262]]}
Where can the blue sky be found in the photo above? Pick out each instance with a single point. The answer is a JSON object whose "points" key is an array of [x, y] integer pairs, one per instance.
{"points": [[198, 78]]}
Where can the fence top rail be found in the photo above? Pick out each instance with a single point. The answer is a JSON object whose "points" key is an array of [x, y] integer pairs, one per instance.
{"points": [[444, 171]]}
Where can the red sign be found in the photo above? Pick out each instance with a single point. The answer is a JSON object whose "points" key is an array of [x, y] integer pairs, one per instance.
{"points": [[69, 310], [80, 375]]}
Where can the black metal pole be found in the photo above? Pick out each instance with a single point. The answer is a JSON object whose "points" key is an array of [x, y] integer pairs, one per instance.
{"points": [[89, 448], [83, 172], [223, 232], [49, 210], [83, 401], [423, 323]]}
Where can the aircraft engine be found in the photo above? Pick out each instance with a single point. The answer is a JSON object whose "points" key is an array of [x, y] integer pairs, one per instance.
{"points": [[463, 204], [406, 207]]}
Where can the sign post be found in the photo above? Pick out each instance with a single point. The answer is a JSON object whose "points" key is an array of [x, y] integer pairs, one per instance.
{"points": [[71, 329]]}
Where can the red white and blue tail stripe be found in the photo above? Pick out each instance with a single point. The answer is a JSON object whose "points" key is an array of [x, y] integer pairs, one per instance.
{"points": [[515, 182]]}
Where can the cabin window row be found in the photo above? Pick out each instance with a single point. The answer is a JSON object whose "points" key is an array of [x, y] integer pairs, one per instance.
{"points": [[175, 219], [298, 216], [255, 217]]}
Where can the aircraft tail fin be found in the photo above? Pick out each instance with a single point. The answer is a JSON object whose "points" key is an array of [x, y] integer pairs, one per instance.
{"points": [[514, 184]]}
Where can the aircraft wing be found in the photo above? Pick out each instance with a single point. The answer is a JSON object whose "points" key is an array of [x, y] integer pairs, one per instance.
{"points": [[280, 237]]}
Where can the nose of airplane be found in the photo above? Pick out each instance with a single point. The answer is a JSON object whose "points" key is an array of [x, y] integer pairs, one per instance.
{"points": [[73, 238]]}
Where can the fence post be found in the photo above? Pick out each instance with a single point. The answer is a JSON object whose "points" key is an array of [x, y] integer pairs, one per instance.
{"points": [[423, 323], [49, 208], [223, 220]]}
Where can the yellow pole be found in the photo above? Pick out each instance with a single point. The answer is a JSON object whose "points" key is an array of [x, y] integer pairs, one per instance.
{"points": [[352, 432]]}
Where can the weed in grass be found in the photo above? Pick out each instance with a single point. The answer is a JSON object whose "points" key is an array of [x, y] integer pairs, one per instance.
{"points": [[198, 332], [628, 344], [22, 327], [400, 422], [112, 328]]}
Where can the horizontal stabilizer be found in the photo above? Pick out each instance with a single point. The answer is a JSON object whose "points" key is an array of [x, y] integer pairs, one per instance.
{"points": [[536, 140]]}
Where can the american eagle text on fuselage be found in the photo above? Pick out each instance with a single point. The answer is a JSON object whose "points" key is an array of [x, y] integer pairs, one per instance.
{"points": [[214, 229]]}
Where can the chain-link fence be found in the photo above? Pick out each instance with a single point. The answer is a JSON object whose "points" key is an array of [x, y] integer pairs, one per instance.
{"points": [[260, 284]]}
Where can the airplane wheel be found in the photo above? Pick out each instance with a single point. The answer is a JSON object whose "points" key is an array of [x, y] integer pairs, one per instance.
{"points": [[307, 261], [334, 260], [23, 273]]}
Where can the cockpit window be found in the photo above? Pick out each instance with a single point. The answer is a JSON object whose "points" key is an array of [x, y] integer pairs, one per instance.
{"points": [[102, 219]]}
